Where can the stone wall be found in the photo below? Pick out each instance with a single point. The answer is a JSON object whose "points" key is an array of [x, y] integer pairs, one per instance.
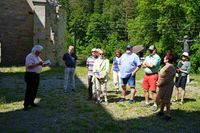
{"points": [[16, 31], [24, 23]]}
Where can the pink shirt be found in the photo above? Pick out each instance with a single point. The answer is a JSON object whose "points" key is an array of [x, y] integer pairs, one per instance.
{"points": [[33, 59]]}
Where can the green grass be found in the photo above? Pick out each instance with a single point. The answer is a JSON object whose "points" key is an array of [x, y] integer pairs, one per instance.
{"points": [[70, 112]]}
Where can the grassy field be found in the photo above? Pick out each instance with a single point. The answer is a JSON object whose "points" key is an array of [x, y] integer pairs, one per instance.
{"points": [[60, 112]]}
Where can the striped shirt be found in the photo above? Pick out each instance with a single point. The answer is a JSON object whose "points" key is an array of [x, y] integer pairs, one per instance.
{"points": [[90, 64]]}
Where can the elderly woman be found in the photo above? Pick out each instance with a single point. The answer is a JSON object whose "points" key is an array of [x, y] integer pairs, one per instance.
{"points": [[100, 70], [183, 69], [34, 66], [165, 84]]}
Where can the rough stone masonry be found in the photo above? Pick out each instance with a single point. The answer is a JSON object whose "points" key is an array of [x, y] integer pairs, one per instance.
{"points": [[24, 23]]}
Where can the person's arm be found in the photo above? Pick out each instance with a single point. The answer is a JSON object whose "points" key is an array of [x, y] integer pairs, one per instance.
{"points": [[154, 63], [179, 41], [30, 63], [144, 63], [191, 40], [135, 71], [34, 65], [149, 65], [187, 71], [138, 63]]}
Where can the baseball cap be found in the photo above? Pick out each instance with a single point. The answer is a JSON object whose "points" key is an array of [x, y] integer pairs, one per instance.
{"points": [[152, 47], [128, 47]]}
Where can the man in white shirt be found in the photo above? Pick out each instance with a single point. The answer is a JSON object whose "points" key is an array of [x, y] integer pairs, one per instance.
{"points": [[34, 66]]}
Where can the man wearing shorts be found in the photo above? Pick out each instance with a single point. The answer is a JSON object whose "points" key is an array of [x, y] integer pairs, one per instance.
{"points": [[152, 66], [129, 64]]}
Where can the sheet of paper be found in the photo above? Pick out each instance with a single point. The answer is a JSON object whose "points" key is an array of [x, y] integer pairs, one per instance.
{"points": [[47, 62]]}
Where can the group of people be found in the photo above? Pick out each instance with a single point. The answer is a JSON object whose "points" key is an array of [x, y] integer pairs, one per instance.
{"points": [[124, 69]]}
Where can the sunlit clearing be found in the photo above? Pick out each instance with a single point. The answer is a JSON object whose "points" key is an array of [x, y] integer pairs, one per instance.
{"points": [[12, 69], [46, 69], [15, 69], [14, 106]]}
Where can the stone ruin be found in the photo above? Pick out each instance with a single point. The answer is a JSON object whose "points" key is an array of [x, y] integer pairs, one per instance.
{"points": [[24, 23]]}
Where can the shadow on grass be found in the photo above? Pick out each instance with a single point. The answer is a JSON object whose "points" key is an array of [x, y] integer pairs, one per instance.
{"points": [[189, 100], [11, 90], [12, 85], [60, 112]]}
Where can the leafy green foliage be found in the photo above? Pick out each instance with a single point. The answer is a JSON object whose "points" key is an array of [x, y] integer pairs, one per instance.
{"points": [[112, 24]]}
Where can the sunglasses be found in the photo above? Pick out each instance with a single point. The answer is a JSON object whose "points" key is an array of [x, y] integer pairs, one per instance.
{"points": [[101, 53]]}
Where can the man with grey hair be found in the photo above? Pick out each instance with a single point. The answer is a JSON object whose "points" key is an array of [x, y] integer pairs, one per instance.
{"points": [[69, 59], [34, 66], [90, 63]]}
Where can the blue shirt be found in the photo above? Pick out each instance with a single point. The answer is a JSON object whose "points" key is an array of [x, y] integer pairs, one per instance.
{"points": [[116, 64], [128, 63]]}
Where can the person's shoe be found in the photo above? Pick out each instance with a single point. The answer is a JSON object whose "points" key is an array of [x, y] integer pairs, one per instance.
{"points": [[160, 114], [34, 105], [175, 100], [154, 108], [181, 102], [121, 100], [167, 118], [25, 108], [131, 101], [144, 105]]}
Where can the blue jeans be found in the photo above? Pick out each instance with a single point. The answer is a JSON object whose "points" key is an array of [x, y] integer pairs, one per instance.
{"points": [[69, 79]]}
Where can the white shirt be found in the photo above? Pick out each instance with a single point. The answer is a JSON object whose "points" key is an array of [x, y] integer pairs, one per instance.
{"points": [[33, 59]]}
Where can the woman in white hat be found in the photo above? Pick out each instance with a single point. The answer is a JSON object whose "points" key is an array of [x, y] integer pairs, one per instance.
{"points": [[183, 69]]}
